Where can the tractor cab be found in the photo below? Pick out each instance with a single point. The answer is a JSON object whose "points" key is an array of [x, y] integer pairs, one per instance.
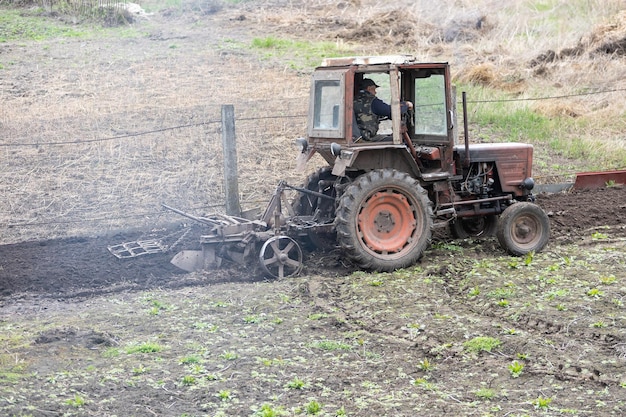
{"points": [[420, 141]]}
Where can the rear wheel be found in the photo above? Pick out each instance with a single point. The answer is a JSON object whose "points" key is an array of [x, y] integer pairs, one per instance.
{"points": [[522, 228], [466, 227], [384, 220]]}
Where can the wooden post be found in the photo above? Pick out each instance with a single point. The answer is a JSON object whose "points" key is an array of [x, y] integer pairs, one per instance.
{"points": [[229, 147]]}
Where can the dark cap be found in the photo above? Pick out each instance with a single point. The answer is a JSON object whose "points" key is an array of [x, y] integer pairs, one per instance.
{"points": [[368, 82]]}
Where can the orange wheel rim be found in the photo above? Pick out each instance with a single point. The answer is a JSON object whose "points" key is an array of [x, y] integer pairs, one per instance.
{"points": [[387, 222]]}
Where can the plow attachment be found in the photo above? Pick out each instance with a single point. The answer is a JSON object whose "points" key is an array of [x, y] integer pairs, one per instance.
{"points": [[599, 179], [270, 242]]}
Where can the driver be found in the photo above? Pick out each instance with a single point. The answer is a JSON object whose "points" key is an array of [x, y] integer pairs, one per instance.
{"points": [[369, 110]]}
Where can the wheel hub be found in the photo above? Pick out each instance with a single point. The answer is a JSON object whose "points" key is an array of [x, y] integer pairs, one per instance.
{"points": [[387, 222], [384, 222]]}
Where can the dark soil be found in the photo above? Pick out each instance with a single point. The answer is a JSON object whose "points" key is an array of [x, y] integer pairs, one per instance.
{"points": [[65, 268]]}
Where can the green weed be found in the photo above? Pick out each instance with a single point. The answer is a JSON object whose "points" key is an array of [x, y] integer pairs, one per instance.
{"points": [[474, 292], [144, 348], [516, 368], [188, 360], [426, 365], [229, 356], [482, 343], [331, 345], [189, 380], [485, 393], [542, 403], [76, 402], [313, 407], [296, 383], [224, 395], [595, 292]]}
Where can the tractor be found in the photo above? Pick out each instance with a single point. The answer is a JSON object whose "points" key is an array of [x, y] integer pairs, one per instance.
{"points": [[385, 197], [380, 200]]}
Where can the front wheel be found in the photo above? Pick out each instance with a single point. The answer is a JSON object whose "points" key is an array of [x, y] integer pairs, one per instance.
{"points": [[522, 228], [384, 220]]}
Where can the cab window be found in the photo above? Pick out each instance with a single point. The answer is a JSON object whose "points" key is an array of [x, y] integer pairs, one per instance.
{"points": [[430, 106], [327, 108]]}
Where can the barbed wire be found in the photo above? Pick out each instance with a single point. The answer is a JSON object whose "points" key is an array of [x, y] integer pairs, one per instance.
{"points": [[292, 116], [547, 97]]}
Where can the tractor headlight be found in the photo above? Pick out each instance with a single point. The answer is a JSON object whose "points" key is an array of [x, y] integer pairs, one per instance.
{"points": [[528, 184]]}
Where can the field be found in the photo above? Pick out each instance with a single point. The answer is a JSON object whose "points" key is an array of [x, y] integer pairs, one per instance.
{"points": [[99, 126]]}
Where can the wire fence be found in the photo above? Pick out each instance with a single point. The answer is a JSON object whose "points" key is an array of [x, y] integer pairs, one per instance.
{"points": [[73, 177]]}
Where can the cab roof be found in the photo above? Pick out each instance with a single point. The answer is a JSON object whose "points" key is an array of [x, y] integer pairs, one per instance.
{"points": [[369, 60]]}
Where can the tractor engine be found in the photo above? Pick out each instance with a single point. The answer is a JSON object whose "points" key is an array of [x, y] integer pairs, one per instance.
{"points": [[477, 181]]}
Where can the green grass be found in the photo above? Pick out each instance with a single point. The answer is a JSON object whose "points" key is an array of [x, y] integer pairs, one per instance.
{"points": [[297, 54], [482, 343], [502, 118], [18, 25], [331, 345]]}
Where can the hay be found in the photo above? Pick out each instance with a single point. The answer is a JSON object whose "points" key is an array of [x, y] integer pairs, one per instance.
{"points": [[606, 39], [482, 74]]}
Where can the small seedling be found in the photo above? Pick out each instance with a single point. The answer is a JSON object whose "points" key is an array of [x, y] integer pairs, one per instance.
{"points": [[528, 259], [251, 319], [188, 360], [189, 380], [140, 370], [599, 236], [473, 292], [595, 292], [313, 407], [267, 411], [599, 324], [542, 403], [503, 303], [516, 368], [608, 280], [426, 365], [296, 383], [224, 395], [485, 393], [424, 383], [76, 402], [229, 356]]}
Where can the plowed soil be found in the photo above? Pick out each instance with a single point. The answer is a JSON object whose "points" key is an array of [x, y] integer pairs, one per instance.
{"points": [[65, 268]]}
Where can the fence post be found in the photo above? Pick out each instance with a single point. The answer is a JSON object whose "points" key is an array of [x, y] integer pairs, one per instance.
{"points": [[229, 147]]}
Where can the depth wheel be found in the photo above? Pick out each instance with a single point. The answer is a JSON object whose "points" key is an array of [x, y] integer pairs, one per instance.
{"points": [[384, 220], [522, 228], [281, 257], [480, 226]]}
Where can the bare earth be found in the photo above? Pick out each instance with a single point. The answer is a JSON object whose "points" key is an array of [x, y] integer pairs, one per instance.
{"points": [[83, 333]]}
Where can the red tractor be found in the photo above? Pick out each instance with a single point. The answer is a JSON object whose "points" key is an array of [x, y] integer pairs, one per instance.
{"points": [[380, 199]]}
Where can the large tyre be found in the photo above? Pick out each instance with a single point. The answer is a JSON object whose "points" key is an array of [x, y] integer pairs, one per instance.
{"points": [[522, 228], [479, 226], [384, 220], [323, 209]]}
